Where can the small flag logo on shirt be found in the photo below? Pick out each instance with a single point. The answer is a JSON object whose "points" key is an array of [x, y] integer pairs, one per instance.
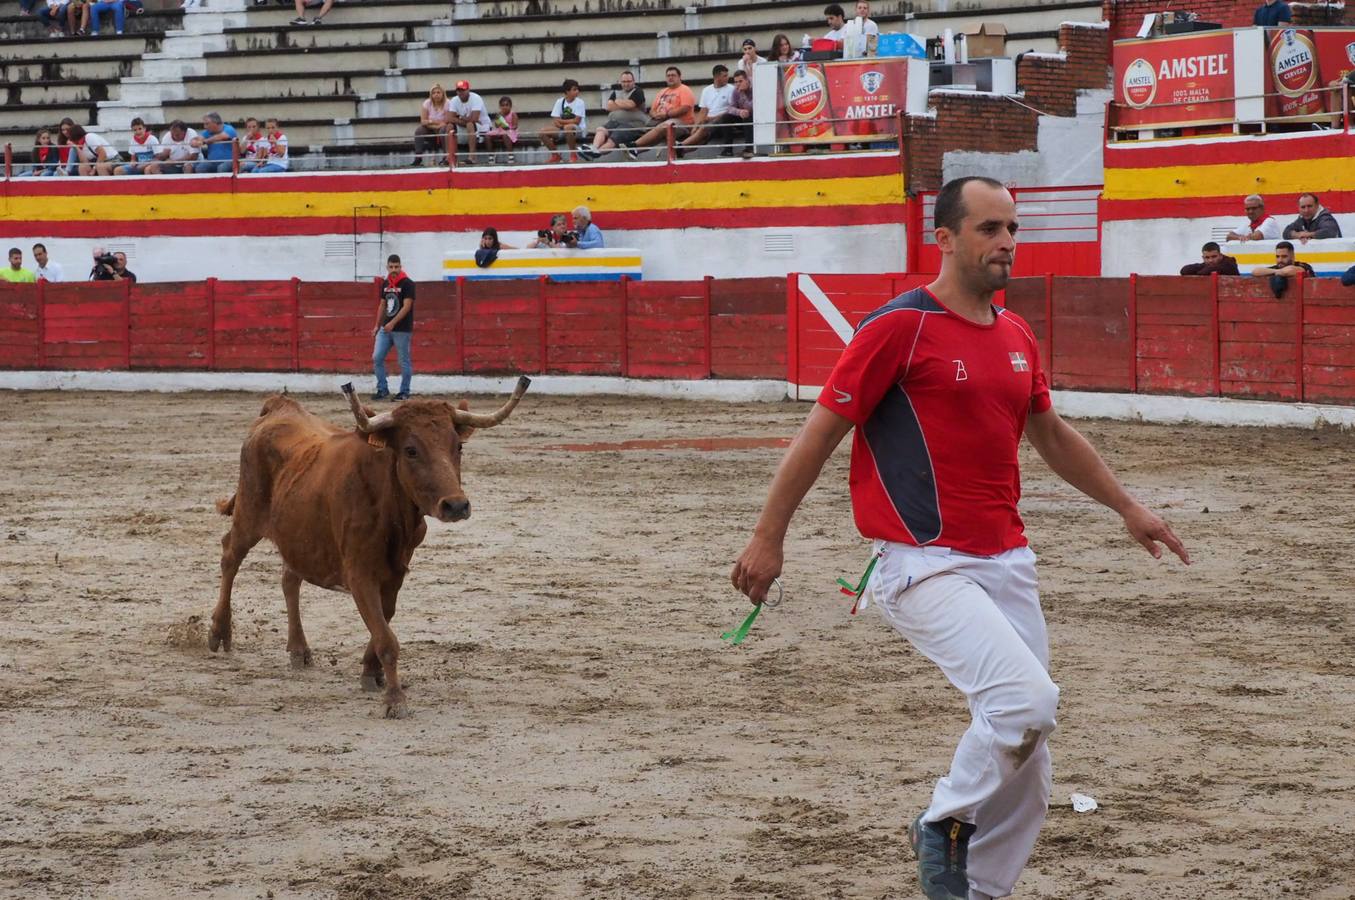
{"points": [[1019, 363]]}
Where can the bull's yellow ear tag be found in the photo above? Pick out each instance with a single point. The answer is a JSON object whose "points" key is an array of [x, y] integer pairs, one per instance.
{"points": [[376, 440]]}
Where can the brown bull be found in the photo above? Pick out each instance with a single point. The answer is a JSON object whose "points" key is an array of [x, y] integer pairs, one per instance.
{"points": [[346, 510]]}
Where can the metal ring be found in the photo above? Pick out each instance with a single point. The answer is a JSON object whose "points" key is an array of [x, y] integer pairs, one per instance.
{"points": [[780, 595]]}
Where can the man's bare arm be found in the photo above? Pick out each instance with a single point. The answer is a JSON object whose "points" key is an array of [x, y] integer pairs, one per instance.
{"points": [[761, 560], [1075, 460]]}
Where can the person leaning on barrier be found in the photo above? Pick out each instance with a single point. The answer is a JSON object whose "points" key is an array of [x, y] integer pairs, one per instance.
{"points": [[1314, 222], [1258, 226], [215, 141], [46, 270], [178, 149], [552, 237], [1212, 262], [1285, 268], [15, 273]]}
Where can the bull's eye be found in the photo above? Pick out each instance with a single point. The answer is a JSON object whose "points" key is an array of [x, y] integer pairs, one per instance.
{"points": [[412, 452]]}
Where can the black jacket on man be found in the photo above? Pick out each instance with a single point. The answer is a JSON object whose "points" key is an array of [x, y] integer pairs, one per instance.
{"points": [[1323, 225]]}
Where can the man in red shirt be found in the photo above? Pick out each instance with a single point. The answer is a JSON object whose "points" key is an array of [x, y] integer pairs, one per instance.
{"points": [[940, 385]]}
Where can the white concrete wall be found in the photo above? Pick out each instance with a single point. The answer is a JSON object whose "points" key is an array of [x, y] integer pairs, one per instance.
{"points": [[670, 254], [1069, 151]]}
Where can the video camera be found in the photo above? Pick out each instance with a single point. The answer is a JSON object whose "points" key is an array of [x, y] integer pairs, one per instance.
{"points": [[106, 259]]}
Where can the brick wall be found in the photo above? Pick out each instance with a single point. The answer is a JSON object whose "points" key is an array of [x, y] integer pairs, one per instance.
{"points": [[1125, 16], [993, 124]]}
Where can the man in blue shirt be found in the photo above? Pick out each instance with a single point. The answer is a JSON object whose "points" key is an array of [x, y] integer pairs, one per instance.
{"points": [[590, 236], [1272, 13], [216, 142]]}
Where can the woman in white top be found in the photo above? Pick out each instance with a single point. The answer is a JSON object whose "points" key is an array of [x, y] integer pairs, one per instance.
{"points": [[431, 135], [782, 51]]}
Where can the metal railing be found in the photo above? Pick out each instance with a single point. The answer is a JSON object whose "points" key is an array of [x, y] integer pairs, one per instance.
{"points": [[1338, 116]]}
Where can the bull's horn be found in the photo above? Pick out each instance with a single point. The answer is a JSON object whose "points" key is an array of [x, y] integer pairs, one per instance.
{"points": [[365, 425], [489, 420]]}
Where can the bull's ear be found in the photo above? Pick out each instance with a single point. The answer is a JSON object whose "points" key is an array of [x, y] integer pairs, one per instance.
{"points": [[464, 431]]}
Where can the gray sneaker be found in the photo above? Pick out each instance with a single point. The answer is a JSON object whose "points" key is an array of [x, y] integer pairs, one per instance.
{"points": [[942, 850]]}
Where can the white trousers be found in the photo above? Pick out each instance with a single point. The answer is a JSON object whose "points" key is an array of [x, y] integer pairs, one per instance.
{"points": [[978, 618]]}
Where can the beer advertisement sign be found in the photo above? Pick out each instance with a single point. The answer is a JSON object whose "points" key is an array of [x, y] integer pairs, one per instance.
{"points": [[854, 101], [1305, 70], [1184, 80]]}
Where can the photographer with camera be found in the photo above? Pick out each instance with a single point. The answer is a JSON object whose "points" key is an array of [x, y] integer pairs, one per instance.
{"points": [[110, 267], [556, 236]]}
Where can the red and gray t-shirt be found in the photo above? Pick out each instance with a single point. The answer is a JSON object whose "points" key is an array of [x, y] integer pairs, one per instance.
{"points": [[940, 405]]}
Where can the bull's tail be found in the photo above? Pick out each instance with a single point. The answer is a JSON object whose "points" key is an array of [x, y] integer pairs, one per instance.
{"points": [[226, 505]]}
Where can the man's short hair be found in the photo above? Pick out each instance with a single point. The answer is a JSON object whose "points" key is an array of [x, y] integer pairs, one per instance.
{"points": [[214, 117], [1310, 194], [393, 258], [570, 83], [583, 211], [673, 69], [950, 209], [178, 124], [1210, 247], [14, 250], [1253, 198], [720, 70], [739, 73], [138, 121], [628, 72], [37, 247], [1285, 245], [834, 9]]}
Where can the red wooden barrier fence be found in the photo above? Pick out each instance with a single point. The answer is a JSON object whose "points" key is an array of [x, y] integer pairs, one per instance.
{"points": [[1145, 334], [732, 328]]}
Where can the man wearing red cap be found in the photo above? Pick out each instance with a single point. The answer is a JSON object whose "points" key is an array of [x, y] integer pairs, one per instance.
{"points": [[468, 112]]}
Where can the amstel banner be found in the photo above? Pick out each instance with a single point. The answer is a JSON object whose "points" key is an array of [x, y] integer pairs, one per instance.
{"points": [[1175, 81], [832, 102], [1306, 67]]}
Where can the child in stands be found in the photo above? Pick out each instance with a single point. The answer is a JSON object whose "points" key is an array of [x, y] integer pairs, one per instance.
{"points": [[143, 150], [504, 133]]}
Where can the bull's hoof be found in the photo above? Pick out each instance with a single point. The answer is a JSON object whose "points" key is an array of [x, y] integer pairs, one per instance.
{"points": [[397, 710], [219, 638], [301, 659], [373, 683]]}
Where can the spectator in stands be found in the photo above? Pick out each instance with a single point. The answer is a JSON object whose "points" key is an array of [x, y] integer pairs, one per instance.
{"points": [[1348, 277], [859, 29], [431, 135], [504, 134], [104, 6], [672, 107], [1285, 268], [120, 270], [67, 162], [552, 237], [44, 157], [741, 112], [837, 21], [1258, 226], [1272, 13], [394, 327], [104, 265], [1212, 261], [215, 143], [251, 141], [748, 62], [713, 110], [1314, 221], [489, 248], [589, 236], [93, 153], [301, 13], [468, 113], [46, 270], [626, 118], [143, 152], [782, 51], [863, 13], [270, 151], [53, 12], [178, 149], [15, 273], [569, 117]]}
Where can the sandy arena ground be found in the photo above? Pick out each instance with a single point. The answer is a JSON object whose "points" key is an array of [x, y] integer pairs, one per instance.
{"points": [[579, 730]]}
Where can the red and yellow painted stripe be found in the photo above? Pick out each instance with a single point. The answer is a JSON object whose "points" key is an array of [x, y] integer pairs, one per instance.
{"points": [[820, 191], [1209, 178]]}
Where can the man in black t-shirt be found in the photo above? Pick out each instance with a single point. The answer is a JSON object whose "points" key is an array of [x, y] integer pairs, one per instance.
{"points": [[626, 118], [1285, 268], [394, 327]]}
